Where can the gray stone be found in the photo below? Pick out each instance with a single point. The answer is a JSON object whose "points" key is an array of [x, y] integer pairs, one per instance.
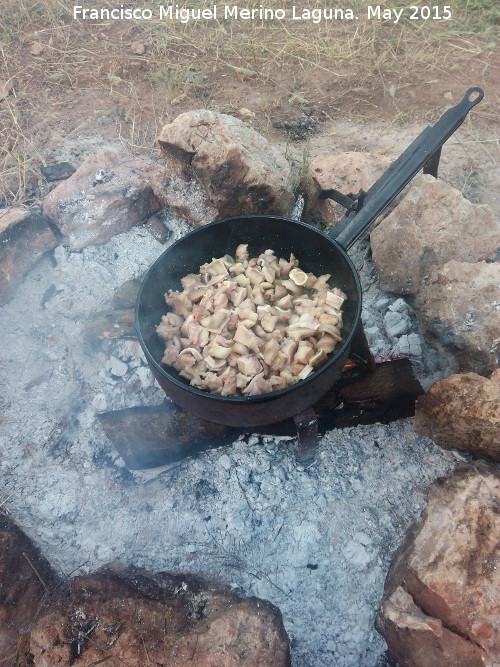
{"points": [[346, 172]]}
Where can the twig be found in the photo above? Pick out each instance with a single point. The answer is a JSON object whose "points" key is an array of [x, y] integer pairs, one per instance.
{"points": [[145, 649], [37, 573], [243, 491], [77, 568]]}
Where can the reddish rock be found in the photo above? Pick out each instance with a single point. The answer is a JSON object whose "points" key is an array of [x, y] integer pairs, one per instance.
{"points": [[432, 225], [449, 565], [458, 305], [133, 617], [22, 593], [462, 412], [418, 640], [240, 170], [24, 237], [347, 172], [104, 197]]}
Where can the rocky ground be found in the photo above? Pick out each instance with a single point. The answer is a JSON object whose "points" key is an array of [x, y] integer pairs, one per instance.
{"points": [[315, 540]]}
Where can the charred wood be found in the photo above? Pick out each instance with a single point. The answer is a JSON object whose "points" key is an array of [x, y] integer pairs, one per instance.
{"points": [[146, 437]]}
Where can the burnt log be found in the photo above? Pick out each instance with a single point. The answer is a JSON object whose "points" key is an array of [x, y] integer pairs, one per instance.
{"points": [[125, 295], [146, 437], [119, 323]]}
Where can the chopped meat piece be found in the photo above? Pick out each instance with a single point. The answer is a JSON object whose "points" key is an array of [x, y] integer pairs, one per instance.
{"points": [[307, 370], [180, 303], [326, 343], [249, 326], [279, 291], [298, 276], [242, 252], [215, 268], [322, 282], [334, 300], [271, 349], [258, 385], [219, 352], [249, 365], [269, 273], [292, 287], [318, 359], [285, 303], [247, 337], [241, 381], [286, 267], [268, 256], [215, 364], [238, 295], [303, 354], [269, 321], [191, 281], [254, 275], [237, 269], [216, 322], [228, 378]]}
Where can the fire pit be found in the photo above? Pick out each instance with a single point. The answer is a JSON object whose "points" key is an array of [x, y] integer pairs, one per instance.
{"points": [[313, 536]]}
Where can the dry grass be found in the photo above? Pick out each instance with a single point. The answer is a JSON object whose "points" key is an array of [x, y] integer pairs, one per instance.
{"points": [[191, 64]]}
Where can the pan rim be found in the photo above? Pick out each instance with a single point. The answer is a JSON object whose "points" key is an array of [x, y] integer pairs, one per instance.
{"points": [[260, 398]]}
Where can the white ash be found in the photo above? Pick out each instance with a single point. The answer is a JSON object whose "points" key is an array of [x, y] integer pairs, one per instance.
{"points": [[316, 541], [390, 324]]}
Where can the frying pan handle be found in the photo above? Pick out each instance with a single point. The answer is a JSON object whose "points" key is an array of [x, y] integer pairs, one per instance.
{"points": [[358, 223]]}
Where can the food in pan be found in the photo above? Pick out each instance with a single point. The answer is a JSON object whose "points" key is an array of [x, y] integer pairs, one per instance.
{"points": [[250, 326]]}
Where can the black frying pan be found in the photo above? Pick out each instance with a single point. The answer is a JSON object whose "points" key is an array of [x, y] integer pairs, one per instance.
{"points": [[316, 252]]}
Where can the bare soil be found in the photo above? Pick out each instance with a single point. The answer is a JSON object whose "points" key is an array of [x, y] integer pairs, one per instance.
{"points": [[87, 88]]}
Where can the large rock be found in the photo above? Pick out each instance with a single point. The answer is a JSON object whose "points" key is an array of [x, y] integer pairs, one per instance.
{"points": [[24, 237], [241, 171], [347, 172], [432, 225], [133, 617], [458, 305], [462, 412], [419, 640], [442, 593], [25, 580], [104, 197]]}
